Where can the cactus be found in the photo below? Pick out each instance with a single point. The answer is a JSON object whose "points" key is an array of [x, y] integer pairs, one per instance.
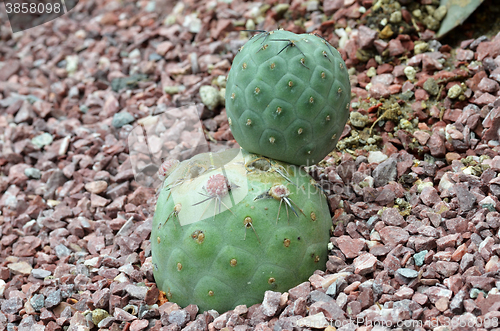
{"points": [[287, 96], [231, 225]]}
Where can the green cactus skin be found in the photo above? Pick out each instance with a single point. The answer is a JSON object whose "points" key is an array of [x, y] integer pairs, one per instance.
{"points": [[287, 97], [218, 260]]}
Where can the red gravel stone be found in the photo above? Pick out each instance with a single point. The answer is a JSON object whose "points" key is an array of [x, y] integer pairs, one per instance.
{"points": [[365, 264], [429, 196], [393, 235], [396, 47], [350, 247], [436, 145], [366, 37], [379, 90]]}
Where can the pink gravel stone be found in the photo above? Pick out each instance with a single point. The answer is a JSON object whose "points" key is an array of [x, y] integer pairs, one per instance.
{"points": [[300, 291], [429, 196], [350, 247], [392, 263], [352, 287], [446, 268], [8, 69], [481, 282], [164, 47], [442, 304], [436, 145], [122, 315], [398, 70], [393, 235], [493, 264], [464, 54], [420, 298], [488, 48], [447, 241], [404, 292], [488, 85], [385, 79], [421, 95], [366, 36], [391, 216], [455, 283], [365, 264], [380, 45], [139, 325], [270, 302], [331, 6], [490, 304], [459, 253], [379, 90], [430, 64], [485, 99], [422, 137], [396, 47], [395, 88], [435, 293], [330, 309], [415, 60]]}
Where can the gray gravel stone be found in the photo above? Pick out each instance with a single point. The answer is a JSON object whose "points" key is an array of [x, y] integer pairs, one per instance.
{"points": [[385, 172], [33, 173], [40, 273], [407, 273], [37, 301], [419, 257], [138, 292], [270, 303], [42, 140], [474, 292], [457, 303], [62, 251], [53, 299], [121, 119], [179, 317], [319, 296]]}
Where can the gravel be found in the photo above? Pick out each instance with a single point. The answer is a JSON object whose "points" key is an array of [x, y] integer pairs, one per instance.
{"points": [[415, 203]]}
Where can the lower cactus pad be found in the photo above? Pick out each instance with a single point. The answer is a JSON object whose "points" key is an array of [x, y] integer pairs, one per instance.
{"points": [[225, 233]]}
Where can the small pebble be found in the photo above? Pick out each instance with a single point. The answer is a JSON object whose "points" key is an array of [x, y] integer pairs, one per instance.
{"points": [[96, 187], [454, 92], [407, 273], [37, 301], [358, 120], [396, 17], [42, 140], [431, 86], [421, 48], [376, 157], [121, 119], [33, 173], [440, 12], [40, 273], [210, 96], [410, 73]]}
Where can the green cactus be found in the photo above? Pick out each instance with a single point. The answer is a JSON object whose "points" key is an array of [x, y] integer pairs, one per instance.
{"points": [[232, 225], [287, 97]]}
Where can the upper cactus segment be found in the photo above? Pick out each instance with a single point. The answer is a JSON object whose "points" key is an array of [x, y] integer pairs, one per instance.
{"points": [[287, 96]]}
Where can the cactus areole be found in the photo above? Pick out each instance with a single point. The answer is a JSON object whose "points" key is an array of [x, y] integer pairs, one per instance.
{"points": [[229, 226], [287, 96]]}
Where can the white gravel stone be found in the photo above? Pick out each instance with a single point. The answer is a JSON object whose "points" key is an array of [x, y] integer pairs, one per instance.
{"points": [[376, 157]]}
